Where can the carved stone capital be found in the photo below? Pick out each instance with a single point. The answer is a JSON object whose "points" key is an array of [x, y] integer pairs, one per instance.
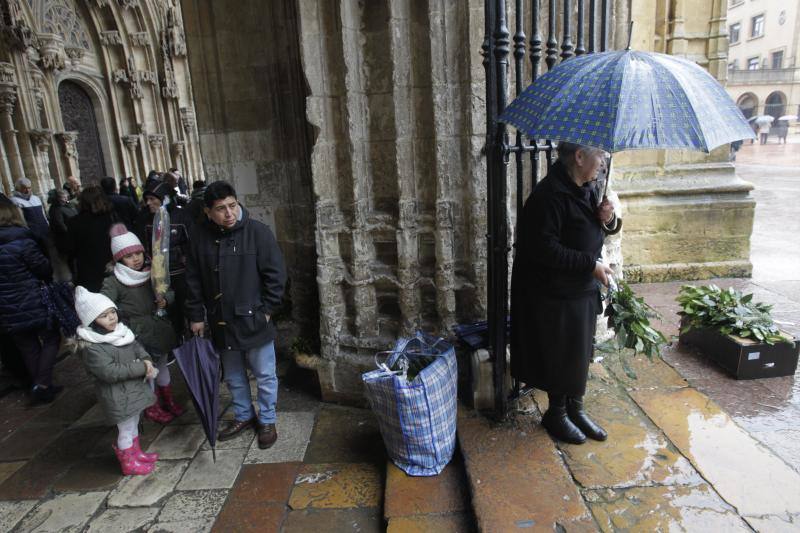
{"points": [[148, 76], [68, 143], [7, 73], [156, 140], [140, 38], [75, 54], [8, 98], [178, 148], [129, 4], [110, 38], [51, 51], [187, 119], [131, 142], [41, 138]]}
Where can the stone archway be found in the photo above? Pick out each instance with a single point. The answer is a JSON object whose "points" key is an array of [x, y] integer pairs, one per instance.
{"points": [[78, 114], [747, 104], [775, 104]]}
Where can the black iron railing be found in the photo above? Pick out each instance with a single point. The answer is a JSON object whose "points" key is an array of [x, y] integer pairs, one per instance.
{"points": [[496, 50]]}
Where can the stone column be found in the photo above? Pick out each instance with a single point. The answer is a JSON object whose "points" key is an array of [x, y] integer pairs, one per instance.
{"points": [[192, 157], [70, 151], [8, 99], [131, 142], [41, 139], [156, 141], [178, 148]]}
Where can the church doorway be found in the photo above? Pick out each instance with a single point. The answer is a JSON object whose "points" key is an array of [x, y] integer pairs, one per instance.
{"points": [[77, 112]]}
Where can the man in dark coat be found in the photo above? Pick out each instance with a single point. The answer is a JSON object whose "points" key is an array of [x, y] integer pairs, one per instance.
{"points": [[32, 209], [555, 297], [235, 278], [123, 205]]}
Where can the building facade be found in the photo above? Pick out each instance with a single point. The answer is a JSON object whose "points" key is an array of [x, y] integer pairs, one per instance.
{"points": [[94, 88], [764, 56]]}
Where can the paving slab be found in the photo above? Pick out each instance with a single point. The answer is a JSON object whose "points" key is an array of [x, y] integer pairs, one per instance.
{"points": [[639, 372], [34, 479], [65, 512], [178, 442], [741, 470], [294, 434], [7, 469], [193, 504], [12, 512], [123, 520], [205, 473], [636, 453], [452, 523], [516, 476], [346, 435], [256, 517], [296, 399], [90, 474], [415, 495], [337, 486], [265, 483], [242, 440], [775, 524], [70, 406], [145, 491], [199, 525], [683, 508], [94, 417], [362, 520], [27, 441]]}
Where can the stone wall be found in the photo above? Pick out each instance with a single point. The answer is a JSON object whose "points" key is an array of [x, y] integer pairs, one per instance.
{"points": [[249, 92]]}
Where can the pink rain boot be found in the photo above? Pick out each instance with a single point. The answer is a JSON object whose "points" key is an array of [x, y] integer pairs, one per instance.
{"points": [[157, 414], [130, 465], [142, 456], [168, 402]]}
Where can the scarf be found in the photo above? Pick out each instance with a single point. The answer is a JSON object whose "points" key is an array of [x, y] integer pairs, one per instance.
{"points": [[121, 336], [130, 277]]}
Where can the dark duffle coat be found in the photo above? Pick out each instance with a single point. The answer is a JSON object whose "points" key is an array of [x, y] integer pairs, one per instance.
{"points": [[118, 373], [236, 277], [554, 296], [23, 269], [136, 307], [89, 245]]}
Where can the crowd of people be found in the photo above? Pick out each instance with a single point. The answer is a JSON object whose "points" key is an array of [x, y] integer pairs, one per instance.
{"points": [[225, 271]]}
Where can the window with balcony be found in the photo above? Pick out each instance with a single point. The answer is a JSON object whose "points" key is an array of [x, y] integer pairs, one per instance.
{"points": [[752, 63], [733, 33], [757, 26], [732, 65], [777, 59]]}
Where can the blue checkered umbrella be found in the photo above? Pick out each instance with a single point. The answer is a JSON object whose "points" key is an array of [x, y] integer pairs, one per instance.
{"points": [[629, 100]]}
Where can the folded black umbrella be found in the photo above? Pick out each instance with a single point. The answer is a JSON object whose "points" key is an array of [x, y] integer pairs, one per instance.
{"points": [[199, 363]]}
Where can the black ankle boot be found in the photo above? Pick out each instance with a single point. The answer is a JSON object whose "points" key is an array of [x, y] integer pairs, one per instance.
{"points": [[579, 417], [557, 423]]}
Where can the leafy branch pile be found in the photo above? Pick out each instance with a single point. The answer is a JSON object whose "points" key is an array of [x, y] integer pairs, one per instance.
{"points": [[629, 316], [729, 312]]}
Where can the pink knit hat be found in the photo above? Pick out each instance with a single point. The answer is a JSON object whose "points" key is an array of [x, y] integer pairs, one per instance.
{"points": [[123, 242]]}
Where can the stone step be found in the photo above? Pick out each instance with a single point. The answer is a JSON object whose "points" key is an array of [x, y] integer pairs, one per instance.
{"points": [[517, 478], [428, 504]]}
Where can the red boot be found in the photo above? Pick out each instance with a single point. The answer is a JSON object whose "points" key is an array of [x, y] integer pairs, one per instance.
{"points": [[131, 466], [141, 455], [168, 402], [157, 414]]}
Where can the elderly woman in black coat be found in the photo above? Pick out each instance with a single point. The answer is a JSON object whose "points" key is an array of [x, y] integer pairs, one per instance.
{"points": [[555, 291]]}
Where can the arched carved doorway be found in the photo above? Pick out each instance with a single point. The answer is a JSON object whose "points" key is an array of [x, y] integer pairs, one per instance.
{"points": [[77, 112], [775, 104]]}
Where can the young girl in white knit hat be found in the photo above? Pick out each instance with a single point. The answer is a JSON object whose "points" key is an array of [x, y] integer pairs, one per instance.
{"points": [[131, 290], [120, 367]]}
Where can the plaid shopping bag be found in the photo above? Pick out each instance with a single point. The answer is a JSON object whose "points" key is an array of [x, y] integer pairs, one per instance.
{"points": [[417, 418]]}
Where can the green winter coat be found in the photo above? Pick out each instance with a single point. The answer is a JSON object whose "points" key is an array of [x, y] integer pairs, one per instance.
{"points": [[118, 373], [136, 308]]}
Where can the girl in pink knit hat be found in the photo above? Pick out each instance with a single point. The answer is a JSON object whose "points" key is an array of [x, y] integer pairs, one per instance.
{"points": [[131, 290]]}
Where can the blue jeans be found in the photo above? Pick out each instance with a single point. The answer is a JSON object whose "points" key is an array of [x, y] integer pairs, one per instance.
{"points": [[261, 361]]}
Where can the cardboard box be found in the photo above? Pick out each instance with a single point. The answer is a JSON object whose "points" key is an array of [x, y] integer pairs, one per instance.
{"points": [[743, 358]]}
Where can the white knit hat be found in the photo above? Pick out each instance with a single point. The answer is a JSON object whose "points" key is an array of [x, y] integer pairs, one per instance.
{"points": [[123, 242], [90, 305]]}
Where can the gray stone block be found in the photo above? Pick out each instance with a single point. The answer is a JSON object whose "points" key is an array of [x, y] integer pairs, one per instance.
{"points": [[184, 506], [142, 491], [178, 442], [12, 512], [204, 473], [294, 433], [123, 520], [65, 512]]}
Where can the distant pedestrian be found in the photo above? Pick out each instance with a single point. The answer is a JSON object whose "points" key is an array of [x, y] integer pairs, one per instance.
{"points": [[196, 204], [23, 314], [153, 178], [130, 289], [782, 130], [88, 240], [32, 208], [121, 368], [235, 278], [60, 211], [763, 132], [124, 207]]}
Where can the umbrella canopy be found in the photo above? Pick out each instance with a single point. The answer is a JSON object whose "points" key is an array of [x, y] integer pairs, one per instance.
{"points": [[200, 366], [761, 119], [629, 100], [788, 117]]}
